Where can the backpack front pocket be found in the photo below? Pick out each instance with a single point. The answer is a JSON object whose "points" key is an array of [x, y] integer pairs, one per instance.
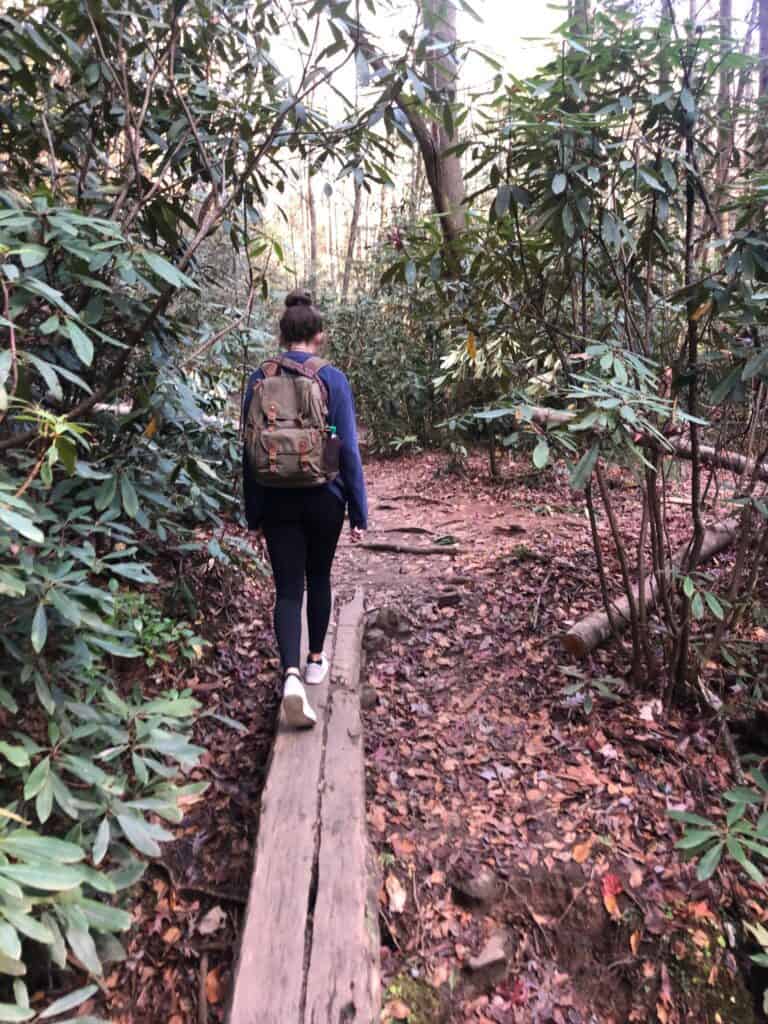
{"points": [[289, 458]]}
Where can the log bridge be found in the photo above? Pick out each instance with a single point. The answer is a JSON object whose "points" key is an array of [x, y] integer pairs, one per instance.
{"points": [[309, 950]]}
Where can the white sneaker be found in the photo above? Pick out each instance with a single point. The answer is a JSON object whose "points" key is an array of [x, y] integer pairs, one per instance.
{"points": [[316, 671], [297, 709]]}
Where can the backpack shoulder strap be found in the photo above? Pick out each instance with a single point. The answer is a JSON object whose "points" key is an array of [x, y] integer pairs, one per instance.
{"points": [[308, 368], [314, 365], [271, 367]]}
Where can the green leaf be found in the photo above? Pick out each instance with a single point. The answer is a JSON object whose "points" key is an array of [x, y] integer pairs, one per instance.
{"points": [[10, 943], [58, 948], [39, 631], [104, 918], [23, 845], [44, 801], [709, 862], [21, 525], [742, 795], [9, 1012], [13, 968], [28, 925], [689, 819], [541, 454], [16, 755], [582, 474], [559, 184], [694, 839], [129, 497], [31, 284], [81, 343], [128, 874], [85, 770], [689, 588], [82, 945], [736, 850], [101, 842], [37, 778], [714, 605], [65, 606], [105, 494], [569, 225], [651, 180], [32, 254], [47, 878], [21, 993], [167, 270], [70, 1002], [137, 833]]}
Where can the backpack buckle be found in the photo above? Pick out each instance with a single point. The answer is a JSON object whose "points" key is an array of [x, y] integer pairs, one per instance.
{"points": [[273, 460], [272, 413]]}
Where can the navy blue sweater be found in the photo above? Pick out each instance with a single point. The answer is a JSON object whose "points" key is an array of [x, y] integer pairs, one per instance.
{"points": [[349, 485]]}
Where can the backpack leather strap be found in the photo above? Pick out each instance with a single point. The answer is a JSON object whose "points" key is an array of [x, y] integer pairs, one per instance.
{"points": [[308, 368]]}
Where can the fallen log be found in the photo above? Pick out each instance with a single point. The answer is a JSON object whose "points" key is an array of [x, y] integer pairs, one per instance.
{"points": [[709, 456], [411, 549], [595, 629]]}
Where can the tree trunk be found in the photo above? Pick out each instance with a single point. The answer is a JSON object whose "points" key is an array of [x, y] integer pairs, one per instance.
{"points": [[312, 211], [443, 73], [725, 116], [762, 91], [581, 14], [351, 242], [443, 170], [331, 261], [709, 456], [595, 629]]}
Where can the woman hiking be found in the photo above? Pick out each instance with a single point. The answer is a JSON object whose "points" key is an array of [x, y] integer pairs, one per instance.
{"points": [[301, 470]]}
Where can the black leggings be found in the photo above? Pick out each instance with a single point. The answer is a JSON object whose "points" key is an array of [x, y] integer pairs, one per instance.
{"points": [[302, 530]]}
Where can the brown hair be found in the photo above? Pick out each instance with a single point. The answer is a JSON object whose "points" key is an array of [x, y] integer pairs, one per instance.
{"points": [[301, 321]]}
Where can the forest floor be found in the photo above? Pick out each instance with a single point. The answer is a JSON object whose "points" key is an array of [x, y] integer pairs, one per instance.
{"points": [[527, 858], [528, 861]]}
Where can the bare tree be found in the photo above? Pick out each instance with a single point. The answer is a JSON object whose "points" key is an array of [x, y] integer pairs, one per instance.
{"points": [[312, 211], [351, 241], [435, 140], [762, 91], [443, 168], [724, 113], [579, 10]]}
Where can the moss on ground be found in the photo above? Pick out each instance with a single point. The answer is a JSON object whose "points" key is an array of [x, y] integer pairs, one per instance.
{"points": [[420, 997]]}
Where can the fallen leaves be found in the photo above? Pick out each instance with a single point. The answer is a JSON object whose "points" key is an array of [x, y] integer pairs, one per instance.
{"points": [[212, 921], [395, 893], [395, 1009], [213, 986], [582, 851], [611, 886]]}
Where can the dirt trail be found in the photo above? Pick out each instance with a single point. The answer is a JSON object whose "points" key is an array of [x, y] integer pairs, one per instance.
{"points": [[528, 859]]}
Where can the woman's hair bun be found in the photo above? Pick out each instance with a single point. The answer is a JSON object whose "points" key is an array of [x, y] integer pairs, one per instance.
{"points": [[298, 297]]}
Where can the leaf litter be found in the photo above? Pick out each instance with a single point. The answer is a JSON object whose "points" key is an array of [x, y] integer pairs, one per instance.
{"points": [[477, 763]]}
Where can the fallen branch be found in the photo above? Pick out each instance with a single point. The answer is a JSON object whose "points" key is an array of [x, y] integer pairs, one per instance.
{"points": [[708, 456], [595, 629], [408, 529], [411, 549]]}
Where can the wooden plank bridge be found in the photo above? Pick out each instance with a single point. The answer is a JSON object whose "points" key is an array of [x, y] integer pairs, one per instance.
{"points": [[310, 945]]}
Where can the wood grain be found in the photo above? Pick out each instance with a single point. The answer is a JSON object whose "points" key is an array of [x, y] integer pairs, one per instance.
{"points": [[270, 973], [343, 981]]}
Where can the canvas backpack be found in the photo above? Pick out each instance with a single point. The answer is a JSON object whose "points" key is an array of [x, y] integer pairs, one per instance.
{"points": [[288, 442]]}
